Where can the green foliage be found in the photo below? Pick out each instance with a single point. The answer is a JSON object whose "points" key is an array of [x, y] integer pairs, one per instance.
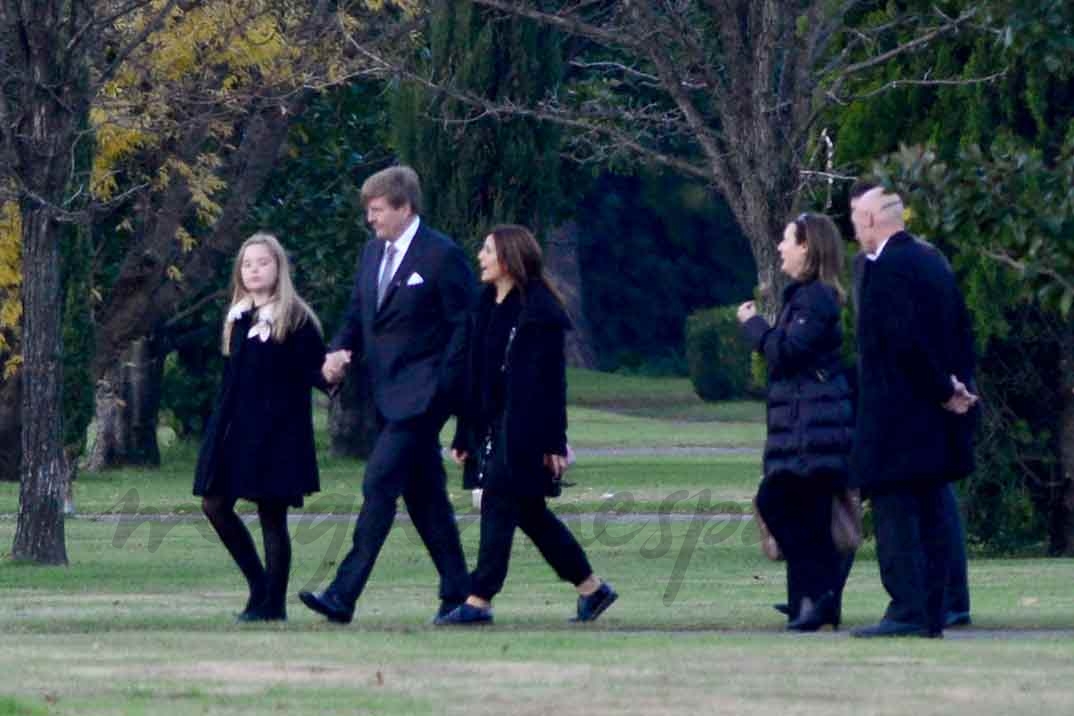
{"points": [[481, 170], [1007, 211], [719, 358], [189, 384], [1015, 496], [654, 248]]}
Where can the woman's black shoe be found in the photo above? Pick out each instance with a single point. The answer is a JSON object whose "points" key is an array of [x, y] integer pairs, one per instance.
{"points": [[812, 617]]}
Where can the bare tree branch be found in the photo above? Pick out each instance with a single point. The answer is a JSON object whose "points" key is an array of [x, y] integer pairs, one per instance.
{"points": [[1024, 268]]}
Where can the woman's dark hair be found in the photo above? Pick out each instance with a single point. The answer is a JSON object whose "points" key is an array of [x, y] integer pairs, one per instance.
{"points": [[824, 258], [521, 257]]}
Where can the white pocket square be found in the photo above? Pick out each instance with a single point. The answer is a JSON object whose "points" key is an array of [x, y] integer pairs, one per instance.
{"points": [[415, 279]]}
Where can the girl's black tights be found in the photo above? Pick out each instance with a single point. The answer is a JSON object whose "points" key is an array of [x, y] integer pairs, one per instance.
{"points": [[268, 582]]}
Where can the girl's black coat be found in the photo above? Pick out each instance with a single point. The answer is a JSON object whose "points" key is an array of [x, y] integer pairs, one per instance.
{"points": [[534, 422], [810, 402], [279, 460]]}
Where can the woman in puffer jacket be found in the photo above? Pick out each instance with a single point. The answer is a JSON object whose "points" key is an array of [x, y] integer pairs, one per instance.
{"points": [[810, 419]]}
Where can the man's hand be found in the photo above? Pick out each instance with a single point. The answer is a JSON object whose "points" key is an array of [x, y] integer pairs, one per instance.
{"points": [[961, 402], [335, 366], [747, 311], [459, 456]]}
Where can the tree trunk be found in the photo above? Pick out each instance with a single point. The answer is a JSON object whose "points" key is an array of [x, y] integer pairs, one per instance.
{"points": [[762, 209], [10, 428], [143, 295], [1066, 435], [127, 402], [39, 533], [352, 417], [565, 270]]}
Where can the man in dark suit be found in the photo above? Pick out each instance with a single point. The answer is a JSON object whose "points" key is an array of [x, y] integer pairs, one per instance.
{"points": [[957, 593], [913, 435], [408, 316]]}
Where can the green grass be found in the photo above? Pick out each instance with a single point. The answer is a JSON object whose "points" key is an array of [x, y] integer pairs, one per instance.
{"points": [[625, 484], [591, 428], [667, 398], [137, 625], [140, 621]]}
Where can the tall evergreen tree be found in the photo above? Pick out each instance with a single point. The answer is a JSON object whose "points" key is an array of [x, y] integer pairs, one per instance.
{"points": [[479, 170]]}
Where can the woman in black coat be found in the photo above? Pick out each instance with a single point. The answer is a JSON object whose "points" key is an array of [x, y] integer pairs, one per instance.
{"points": [[258, 444], [512, 438], [810, 419]]}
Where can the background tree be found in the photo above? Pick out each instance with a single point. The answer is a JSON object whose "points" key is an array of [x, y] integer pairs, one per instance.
{"points": [[61, 59], [608, 238], [480, 170], [46, 49], [726, 91]]}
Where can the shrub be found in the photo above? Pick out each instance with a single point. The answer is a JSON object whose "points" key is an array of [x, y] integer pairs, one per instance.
{"points": [[717, 355]]}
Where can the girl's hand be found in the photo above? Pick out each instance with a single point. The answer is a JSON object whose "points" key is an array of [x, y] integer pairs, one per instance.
{"points": [[459, 456]]}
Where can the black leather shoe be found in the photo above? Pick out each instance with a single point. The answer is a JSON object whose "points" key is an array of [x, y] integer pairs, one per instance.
{"points": [[957, 619], [784, 609], [465, 615], [592, 606], [812, 617], [447, 606], [888, 628], [262, 614], [326, 604]]}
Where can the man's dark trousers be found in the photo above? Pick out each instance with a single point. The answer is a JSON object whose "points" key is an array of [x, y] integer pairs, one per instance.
{"points": [[406, 462], [913, 535]]}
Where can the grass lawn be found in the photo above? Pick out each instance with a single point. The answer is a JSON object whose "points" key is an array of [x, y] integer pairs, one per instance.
{"points": [[142, 624], [141, 620]]}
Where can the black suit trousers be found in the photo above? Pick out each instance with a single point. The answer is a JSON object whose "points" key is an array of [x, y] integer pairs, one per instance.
{"points": [[913, 547], [406, 461], [956, 589], [501, 513]]}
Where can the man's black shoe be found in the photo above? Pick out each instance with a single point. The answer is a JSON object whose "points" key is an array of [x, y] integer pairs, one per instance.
{"points": [[957, 619], [890, 628], [261, 614], [326, 604]]}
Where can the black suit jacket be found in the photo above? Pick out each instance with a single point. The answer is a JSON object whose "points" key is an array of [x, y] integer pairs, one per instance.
{"points": [[414, 343], [914, 332]]}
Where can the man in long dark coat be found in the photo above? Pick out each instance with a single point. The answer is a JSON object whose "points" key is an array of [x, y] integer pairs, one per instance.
{"points": [[913, 435], [957, 594]]}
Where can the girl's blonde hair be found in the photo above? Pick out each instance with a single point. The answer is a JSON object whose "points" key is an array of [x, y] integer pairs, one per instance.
{"points": [[289, 311]]}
